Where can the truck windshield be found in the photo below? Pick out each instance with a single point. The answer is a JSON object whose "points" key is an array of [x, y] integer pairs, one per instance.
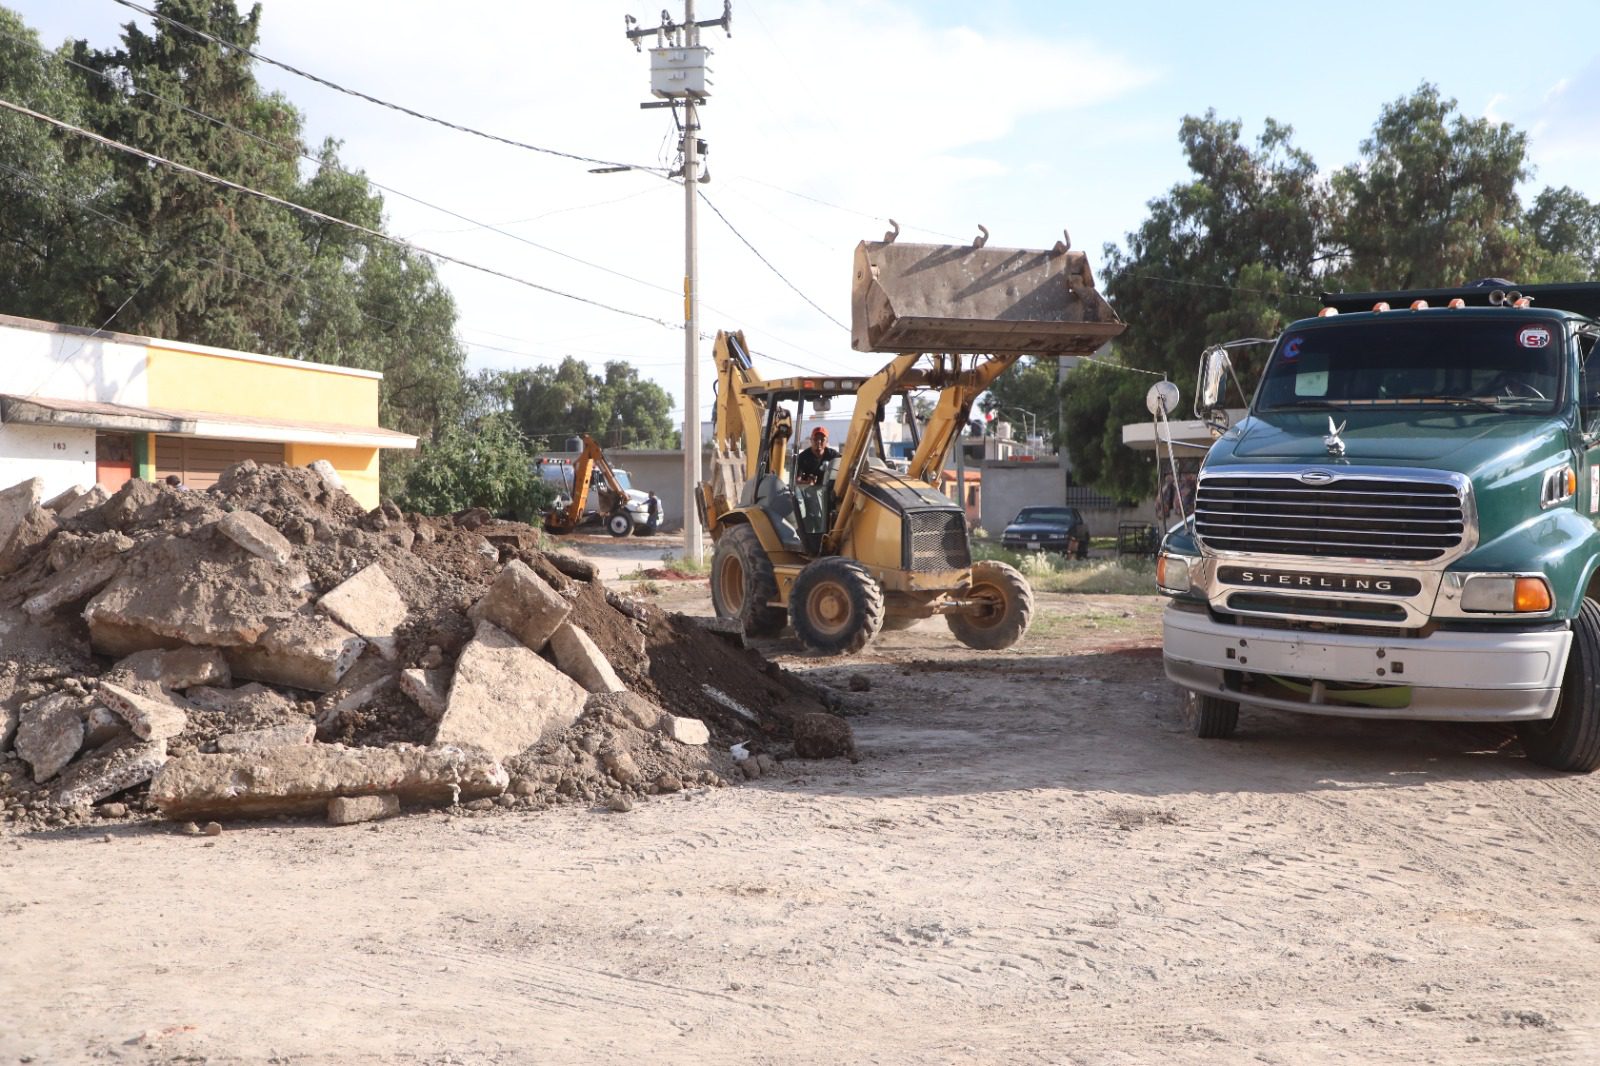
{"points": [[1508, 364]]}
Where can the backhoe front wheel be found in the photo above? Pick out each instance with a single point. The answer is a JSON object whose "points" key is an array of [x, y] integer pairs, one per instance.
{"points": [[1571, 739], [619, 524], [743, 584], [835, 606], [1006, 608]]}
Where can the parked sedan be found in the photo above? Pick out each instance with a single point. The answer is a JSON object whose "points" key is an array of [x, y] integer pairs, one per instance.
{"points": [[1051, 529]]}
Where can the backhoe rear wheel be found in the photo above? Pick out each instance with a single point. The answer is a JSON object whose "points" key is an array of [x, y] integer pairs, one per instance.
{"points": [[1008, 608], [1571, 739], [835, 606], [743, 584]]}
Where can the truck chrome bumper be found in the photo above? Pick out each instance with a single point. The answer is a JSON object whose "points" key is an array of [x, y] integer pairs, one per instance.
{"points": [[1455, 677]]}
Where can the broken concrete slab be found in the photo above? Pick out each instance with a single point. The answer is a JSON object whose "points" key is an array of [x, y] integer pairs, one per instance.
{"points": [[70, 548], [149, 712], [330, 476], [101, 726], [685, 730], [259, 740], [252, 533], [247, 701], [175, 590], [86, 502], [522, 603], [369, 606], [505, 698], [302, 779], [625, 708], [304, 651], [369, 679], [582, 661], [428, 689], [350, 810], [573, 565], [20, 538], [50, 733], [61, 499], [108, 770], [184, 668], [176, 669], [77, 582]]}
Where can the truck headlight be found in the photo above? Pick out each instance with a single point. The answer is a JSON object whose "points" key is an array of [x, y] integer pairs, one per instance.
{"points": [[1172, 573], [1505, 594]]}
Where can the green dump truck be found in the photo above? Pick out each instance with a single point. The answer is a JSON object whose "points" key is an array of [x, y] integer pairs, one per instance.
{"points": [[1406, 524]]}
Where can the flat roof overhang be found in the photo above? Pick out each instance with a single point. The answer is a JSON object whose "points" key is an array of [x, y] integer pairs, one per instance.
{"points": [[88, 414]]}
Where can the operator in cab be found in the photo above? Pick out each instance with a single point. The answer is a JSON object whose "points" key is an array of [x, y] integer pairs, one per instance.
{"points": [[811, 463]]}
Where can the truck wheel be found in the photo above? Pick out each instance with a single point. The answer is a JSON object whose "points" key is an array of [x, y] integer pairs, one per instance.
{"points": [[835, 606], [1209, 717], [1009, 607], [619, 524], [1571, 739], [743, 584]]}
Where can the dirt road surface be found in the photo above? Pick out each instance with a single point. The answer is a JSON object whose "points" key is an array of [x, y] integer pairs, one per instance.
{"points": [[1032, 863]]}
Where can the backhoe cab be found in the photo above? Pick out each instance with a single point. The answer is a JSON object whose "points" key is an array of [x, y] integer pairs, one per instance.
{"points": [[868, 547]]}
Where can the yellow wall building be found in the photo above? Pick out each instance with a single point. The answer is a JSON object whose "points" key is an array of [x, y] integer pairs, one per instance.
{"points": [[80, 407]]}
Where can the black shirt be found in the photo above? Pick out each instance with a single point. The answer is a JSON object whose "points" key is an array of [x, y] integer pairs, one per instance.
{"points": [[810, 465]]}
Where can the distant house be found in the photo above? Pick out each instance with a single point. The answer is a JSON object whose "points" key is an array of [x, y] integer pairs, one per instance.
{"points": [[80, 407]]}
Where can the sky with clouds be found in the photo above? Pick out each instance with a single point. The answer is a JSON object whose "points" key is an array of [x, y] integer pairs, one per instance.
{"points": [[828, 117]]}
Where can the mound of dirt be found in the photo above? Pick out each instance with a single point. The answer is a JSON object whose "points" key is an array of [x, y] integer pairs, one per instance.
{"points": [[243, 573]]}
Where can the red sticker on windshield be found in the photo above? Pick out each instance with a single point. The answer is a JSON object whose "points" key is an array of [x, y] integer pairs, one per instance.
{"points": [[1534, 337]]}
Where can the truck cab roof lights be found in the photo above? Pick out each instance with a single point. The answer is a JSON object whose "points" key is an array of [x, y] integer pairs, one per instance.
{"points": [[1327, 312], [1458, 302], [1419, 305], [1522, 301], [1381, 305]]}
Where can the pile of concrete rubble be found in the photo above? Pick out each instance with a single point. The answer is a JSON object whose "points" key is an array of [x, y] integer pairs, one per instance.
{"points": [[267, 647]]}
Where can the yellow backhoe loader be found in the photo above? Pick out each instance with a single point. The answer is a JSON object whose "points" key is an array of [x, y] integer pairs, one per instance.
{"points": [[568, 516], [868, 547]]}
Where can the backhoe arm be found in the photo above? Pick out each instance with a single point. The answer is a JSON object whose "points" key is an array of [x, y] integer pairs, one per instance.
{"points": [[958, 390]]}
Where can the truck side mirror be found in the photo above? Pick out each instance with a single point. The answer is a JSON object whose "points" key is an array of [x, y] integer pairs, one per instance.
{"points": [[1214, 369]]}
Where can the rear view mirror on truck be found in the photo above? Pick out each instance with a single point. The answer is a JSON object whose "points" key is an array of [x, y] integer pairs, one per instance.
{"points": [[1214, 368]]}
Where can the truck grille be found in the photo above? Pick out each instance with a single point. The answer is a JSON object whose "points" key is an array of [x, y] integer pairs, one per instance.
{"points": [[936, 540], [1354, 517]]}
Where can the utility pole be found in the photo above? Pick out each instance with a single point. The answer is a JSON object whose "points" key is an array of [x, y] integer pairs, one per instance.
{"points": [[678, 72]]}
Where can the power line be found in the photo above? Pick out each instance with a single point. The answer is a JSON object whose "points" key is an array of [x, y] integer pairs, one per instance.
{"points": [[290, 151], [43, 191], [768, 263], [214, 39], [322, 216]]}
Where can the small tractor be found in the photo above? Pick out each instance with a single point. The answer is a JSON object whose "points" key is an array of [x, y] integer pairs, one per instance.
{"points": [[868, 547]]}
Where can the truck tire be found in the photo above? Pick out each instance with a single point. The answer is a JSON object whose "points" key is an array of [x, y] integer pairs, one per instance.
{"points": [[619, 524], [1571, 739], [1011, 608], [835, 606], [743, 584], [1210, 717]]}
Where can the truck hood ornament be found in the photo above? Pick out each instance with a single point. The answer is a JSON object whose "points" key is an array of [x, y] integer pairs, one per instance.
{"points": [[1333, 442]]}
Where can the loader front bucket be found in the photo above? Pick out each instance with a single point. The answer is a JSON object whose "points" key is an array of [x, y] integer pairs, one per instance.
{"points": [[962, 299]]}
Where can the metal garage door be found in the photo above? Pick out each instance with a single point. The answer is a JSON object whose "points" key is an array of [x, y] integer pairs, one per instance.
{"points": [[199, 461]]}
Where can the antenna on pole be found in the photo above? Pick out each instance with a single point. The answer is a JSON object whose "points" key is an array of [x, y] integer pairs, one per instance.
{"points": [[679, 73]]}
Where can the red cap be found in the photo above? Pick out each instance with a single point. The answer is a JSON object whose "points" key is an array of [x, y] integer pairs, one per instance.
{"points": [[819, 432]]}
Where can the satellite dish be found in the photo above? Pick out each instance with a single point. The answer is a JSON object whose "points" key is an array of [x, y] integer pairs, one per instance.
{"points": [[1162, 399]]}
